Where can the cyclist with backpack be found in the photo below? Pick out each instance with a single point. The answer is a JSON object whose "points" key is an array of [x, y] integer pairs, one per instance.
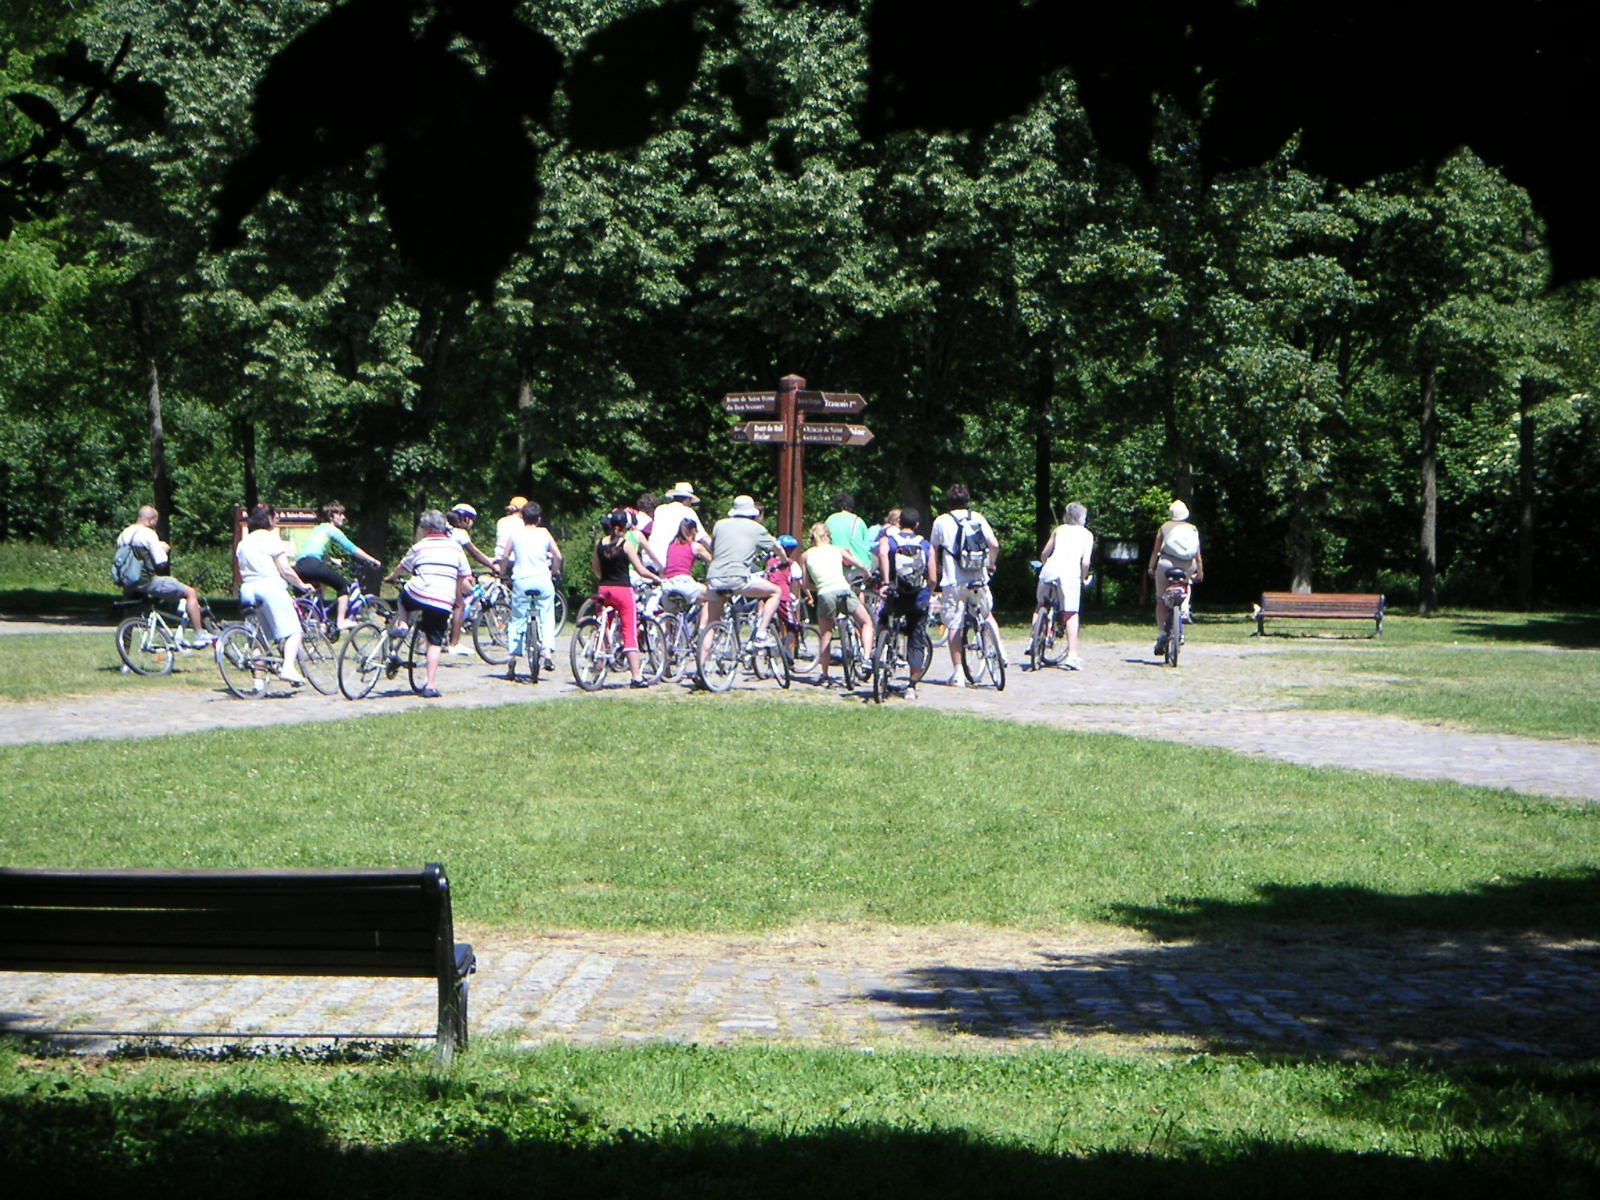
{"points": [[965, 553], [142, 567], [905, 561], [1177, 546]]}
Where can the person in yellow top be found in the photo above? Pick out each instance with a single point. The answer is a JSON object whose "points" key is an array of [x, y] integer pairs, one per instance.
{"points": [[824, 565]]}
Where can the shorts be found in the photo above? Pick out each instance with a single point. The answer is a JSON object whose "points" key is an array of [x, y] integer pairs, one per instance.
{"points": [[830, 605], [164, 587], [434, 622], [955, 601], [687, 586], [274, 609]]}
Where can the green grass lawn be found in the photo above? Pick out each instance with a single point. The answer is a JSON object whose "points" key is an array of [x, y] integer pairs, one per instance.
{"points": [[45, 665], [769, 814], [678, 1121]]}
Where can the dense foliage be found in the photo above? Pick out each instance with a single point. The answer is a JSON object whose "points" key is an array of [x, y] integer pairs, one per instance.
{"points": [[1332, 377]]}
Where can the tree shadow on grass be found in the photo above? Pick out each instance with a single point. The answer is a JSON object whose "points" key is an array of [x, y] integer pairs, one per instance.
{"points": [[250, 1143], [1325, 972], [1573, 631]]}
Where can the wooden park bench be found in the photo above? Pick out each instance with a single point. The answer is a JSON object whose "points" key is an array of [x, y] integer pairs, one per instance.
{"points": [[319, 922], [1323, 606]]}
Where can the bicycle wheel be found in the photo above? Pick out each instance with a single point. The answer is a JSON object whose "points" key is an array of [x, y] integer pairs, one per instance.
{"points": [[491, 636], [533, 646], [973, 663], [652, 650], [587, 608], [144, 646], [857, 668], [681, 630], [1055, 640], [416, 655], [561, 613], [243, 661], [718, 657], [774, 662], [1036, 641], [807, 643], [884, 653], [589, 654], [361, 659], [938, 631], [1174, 634], [318, 661], [993, 661]]}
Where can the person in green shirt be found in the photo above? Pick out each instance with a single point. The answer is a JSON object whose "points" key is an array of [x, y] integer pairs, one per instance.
{"points": [[313, 566]]}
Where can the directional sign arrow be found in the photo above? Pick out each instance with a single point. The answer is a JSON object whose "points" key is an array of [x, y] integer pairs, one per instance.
{"points": [[841, 403], [750, 402], [758, 431], [828, 434]]}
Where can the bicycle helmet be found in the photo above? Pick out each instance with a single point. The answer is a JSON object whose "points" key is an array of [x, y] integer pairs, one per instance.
{"points": [[466, 510], [788, 542]]}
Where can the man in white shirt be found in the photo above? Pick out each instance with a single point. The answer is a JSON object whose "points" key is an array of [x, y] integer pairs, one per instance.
{"points": [[162, 586], [669, 516], [960, 573]]}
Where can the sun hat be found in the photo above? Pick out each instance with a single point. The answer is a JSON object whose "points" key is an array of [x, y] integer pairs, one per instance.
{"points": [[682, 491], [744, 506], [1179, 511], [515, 503]]}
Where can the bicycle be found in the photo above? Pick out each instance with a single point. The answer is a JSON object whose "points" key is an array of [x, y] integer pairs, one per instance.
{"points": [[1047, 644], [148, 644], [1176, 598], [981, 656], [247, 658], [532, 646], [680, 624], [372, 650], [726, 646], [890, 667], [597, 648], [312, 609]]}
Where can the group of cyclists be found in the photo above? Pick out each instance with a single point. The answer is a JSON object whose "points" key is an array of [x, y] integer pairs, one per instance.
{"points": [[849, 571]]}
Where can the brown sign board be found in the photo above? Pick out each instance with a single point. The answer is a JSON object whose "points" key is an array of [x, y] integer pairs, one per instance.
{"points": [[758, 431], [829, 434], [841, 403], [750, 402]]}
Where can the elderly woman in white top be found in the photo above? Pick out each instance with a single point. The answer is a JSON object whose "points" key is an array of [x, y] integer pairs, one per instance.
{"points": [[265, 576], [1067, 557]]}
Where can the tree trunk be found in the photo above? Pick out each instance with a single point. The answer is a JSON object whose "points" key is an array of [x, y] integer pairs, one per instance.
{"points": [[1301, 552], [1526, 429], [160, 480], [523, 484], [247, 451], [1428, 575], [1043, 433]]}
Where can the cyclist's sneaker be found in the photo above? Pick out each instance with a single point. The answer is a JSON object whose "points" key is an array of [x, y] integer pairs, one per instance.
{"points": [[460, 650], [431, 693], [763, 641], [295, 681], [958, 680], [259, 687], [199, 641], [1072, 662], [911, 692], [548, 663], [1161, 646], [637, 683]]}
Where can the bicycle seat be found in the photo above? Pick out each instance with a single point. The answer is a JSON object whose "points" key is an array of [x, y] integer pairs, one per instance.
{"points": [[1177, 575]]}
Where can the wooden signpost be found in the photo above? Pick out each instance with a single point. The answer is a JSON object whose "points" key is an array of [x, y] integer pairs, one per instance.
{"points": [[792, 433]]}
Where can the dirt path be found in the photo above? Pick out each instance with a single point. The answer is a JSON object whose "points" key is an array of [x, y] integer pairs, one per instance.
{"points": [[1239, 698]]}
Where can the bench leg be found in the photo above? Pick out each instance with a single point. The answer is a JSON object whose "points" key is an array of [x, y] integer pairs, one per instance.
{"points": [[452, 1032]]}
